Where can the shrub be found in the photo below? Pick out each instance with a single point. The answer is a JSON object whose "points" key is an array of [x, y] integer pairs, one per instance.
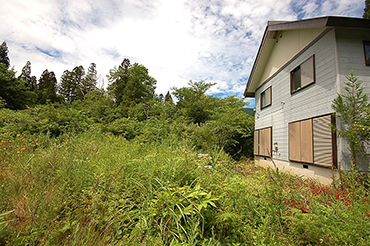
{"points": [[127, 127], [47, 119]]}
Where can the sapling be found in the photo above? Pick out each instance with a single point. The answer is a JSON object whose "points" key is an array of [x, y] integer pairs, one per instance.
{"points": [[352, 110]]}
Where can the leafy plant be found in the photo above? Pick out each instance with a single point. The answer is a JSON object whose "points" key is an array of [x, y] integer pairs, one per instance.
{"points": [[177, 211], [4, 223]]}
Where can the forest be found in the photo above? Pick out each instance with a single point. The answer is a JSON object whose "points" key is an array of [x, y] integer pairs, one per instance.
{"points": [[81, 165]]}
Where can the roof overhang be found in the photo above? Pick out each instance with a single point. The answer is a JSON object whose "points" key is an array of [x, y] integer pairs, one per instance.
{"points": [[272, 29]]}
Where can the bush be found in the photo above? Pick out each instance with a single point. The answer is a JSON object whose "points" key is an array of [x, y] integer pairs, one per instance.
{"points": [[46, 119], [127, 127]]}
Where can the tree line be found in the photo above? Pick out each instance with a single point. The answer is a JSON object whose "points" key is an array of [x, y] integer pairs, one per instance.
{"points": [[18, 92], [128, 106]]}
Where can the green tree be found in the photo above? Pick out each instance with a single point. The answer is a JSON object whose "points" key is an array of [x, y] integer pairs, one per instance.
{"points": [[352, 110], [74, 85], [118, 77], [4, 59], [233, 127], [90, 80], [367, 10], [168, 98], [12, 90], [140, 87], [47, 87], [66, 88], [193, 103], [30, 81], [131, 84], [98, 105], [78, 74], [160, 97]]}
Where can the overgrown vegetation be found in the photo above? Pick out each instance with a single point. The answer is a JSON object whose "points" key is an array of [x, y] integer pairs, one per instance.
{"points": [[97, 188]]}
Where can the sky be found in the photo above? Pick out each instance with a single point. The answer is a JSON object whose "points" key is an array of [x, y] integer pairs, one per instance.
{"points": [[177, 40]]}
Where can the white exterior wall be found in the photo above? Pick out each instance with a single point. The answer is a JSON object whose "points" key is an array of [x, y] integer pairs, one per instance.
{"points": [[314, 100]]}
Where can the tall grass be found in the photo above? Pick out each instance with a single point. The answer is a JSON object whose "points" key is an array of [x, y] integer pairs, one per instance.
{"points": [[98, 189]]}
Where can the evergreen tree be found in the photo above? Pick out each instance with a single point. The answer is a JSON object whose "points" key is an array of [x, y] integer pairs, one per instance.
{"points": [[160, 97], [78, 74], [30, 81], [140, 87], [168, 98], [26, 72], [352, 111], [47, 87], [12, 90], [4, 59], [90, 80], [33, 83], [131, 84], [367, 10], [119, 79], [74, 85], [66, 88]]}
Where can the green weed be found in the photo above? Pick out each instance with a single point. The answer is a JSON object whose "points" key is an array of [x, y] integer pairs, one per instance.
{"points": [[97, 188]]}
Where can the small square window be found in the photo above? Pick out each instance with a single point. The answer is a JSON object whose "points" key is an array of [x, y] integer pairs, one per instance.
{"points": [[303, 75], [367, 52], [266, 98]]}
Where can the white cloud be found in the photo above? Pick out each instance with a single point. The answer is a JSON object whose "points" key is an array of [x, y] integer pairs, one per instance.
{"points": [[209, 40]]}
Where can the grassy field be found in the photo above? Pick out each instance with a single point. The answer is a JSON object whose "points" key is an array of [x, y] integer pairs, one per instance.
{"points": [[100, 189]]}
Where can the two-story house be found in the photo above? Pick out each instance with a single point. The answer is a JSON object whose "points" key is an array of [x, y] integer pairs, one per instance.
{"points": [[298, 71]]}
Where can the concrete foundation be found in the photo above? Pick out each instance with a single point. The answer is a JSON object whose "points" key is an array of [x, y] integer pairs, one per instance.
{"points": [[323, 175]]}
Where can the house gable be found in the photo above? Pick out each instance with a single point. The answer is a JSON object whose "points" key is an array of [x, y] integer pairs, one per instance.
{"points": [[298, 34], [286, 45]]}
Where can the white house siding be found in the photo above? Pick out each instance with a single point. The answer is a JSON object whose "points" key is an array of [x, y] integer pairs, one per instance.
{"points": [[314, 100], [351, 56]]}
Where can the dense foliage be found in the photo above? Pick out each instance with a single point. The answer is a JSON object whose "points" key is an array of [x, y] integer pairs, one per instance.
{"points": [[129, 107], [96, 188]]}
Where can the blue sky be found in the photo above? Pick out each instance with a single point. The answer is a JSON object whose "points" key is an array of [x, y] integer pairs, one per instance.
{"points": [[177, 40]]}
